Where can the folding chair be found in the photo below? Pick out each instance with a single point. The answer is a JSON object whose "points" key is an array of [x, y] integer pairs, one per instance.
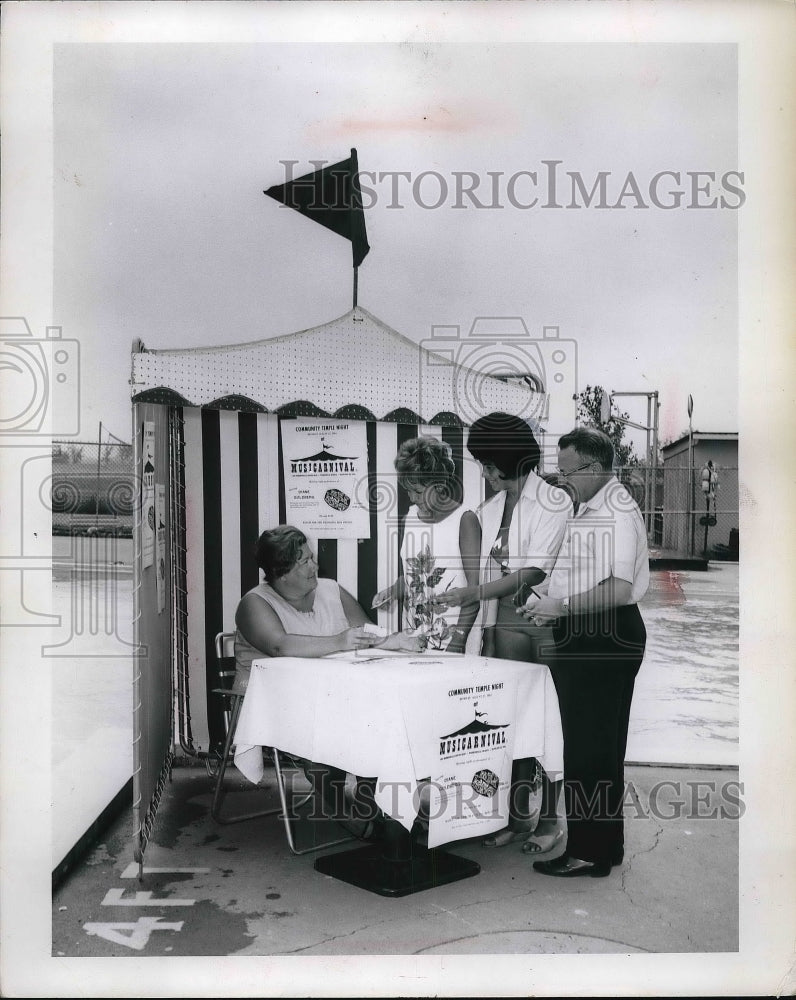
{"points": [[225, 654]]}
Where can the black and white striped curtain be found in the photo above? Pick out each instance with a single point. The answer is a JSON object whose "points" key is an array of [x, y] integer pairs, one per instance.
{"points": [[234, 489]]}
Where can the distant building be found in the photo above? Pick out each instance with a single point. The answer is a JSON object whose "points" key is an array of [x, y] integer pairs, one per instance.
{"points": [[681, 516]]}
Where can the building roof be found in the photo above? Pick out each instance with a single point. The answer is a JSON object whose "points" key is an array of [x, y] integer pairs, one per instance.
{"points": [[700, 436]]}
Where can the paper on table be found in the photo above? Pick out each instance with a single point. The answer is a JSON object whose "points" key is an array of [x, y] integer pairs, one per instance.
{"points": [[375, 630]]}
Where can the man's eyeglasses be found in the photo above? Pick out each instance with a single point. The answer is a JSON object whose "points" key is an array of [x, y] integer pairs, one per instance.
{"points": [[571, 472]]}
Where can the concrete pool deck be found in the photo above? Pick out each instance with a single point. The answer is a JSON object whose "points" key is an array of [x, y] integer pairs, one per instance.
{"points": [[249, 896], [243, 893]]}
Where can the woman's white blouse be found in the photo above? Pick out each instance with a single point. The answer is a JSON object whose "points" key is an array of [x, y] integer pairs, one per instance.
{"points": [[537, 527]]}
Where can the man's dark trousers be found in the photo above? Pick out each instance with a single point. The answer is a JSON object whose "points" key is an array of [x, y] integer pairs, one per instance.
{"points": [[594, 667]]}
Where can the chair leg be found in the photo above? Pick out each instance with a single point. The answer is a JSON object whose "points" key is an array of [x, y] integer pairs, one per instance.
{"points": [[288, 821], [218, 793]]}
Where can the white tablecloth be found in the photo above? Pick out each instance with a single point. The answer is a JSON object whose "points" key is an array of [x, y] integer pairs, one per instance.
{"points": [[387, 716]]}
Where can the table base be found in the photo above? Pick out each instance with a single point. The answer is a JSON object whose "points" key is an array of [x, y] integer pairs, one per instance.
{"points": [[369, 868]]}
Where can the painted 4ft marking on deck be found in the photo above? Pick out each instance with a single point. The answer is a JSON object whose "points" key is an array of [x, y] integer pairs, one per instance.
{"points": [[136, 934], [131, 935], [116, 897]]}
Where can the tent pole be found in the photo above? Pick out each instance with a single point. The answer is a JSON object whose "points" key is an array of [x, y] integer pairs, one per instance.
{"points": [[356, 281]]}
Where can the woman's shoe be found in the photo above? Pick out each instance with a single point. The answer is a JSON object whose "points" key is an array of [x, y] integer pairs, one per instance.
{"points": [[504, 837], [542, 843], [569, 867], [374, 830], [371, 830]]}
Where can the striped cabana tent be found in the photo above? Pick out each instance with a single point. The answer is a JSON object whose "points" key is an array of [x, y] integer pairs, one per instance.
{"points": [[208, 420]]}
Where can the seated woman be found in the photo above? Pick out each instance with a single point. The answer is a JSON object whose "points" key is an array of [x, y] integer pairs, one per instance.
{"points": [[293, 612], [440, 548]]}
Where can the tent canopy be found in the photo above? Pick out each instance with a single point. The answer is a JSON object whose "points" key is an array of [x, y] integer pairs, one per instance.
{"points": [[354, 366]]}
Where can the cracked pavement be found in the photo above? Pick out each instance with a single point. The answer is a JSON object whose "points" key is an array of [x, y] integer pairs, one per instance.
{"points": [[677, 890]]}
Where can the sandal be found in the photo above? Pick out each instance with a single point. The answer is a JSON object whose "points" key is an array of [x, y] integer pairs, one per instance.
{"points": [[504, 837], [370, 830], [540, 845]]}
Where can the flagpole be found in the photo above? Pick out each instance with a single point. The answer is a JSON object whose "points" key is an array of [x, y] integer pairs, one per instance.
{"points": [[354, 205]]}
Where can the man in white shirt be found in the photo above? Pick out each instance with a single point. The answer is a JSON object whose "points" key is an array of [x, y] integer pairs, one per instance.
{"points": [[601, 573]]}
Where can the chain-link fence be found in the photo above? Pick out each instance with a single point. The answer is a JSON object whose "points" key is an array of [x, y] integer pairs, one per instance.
{"points": [[681, 516], [92, 489], [93, 492]]}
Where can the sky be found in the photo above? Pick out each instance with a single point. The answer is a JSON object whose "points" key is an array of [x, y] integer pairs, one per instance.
{"points": [[162, 231]]}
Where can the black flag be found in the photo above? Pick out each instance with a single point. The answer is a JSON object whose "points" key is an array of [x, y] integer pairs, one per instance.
{"points": [[332, 197]]}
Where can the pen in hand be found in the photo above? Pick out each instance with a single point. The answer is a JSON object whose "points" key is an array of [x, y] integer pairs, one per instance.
{"points": [[522, 608]]}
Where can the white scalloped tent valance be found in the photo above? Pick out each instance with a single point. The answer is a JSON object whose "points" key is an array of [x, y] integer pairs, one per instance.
{"points": [[355, 359]]}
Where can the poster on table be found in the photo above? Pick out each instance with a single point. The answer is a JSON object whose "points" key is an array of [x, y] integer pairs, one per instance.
{"points": [[148, 495], [469, 792], [160, 520], [326, 466]]}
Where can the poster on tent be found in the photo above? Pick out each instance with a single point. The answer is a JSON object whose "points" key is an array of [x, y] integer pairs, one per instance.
{"points": [[325, 464], [148, 495], [471, 777], [160, 564]]}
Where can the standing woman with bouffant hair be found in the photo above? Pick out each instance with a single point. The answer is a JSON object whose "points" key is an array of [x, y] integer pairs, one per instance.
{"points": [[522, 527], [440, 549]]}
